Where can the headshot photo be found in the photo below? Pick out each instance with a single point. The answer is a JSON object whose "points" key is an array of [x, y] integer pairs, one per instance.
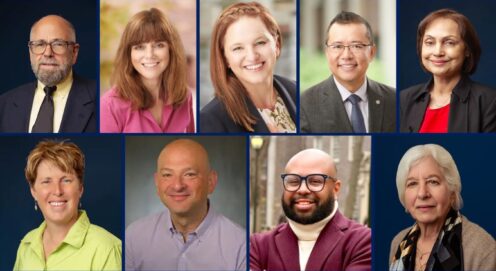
{"points": [[52, 88], [249, 51], [445, 76], [432, 203], [186, 196], [147, 66], [309, 203], [63, 205], [348, 66]]}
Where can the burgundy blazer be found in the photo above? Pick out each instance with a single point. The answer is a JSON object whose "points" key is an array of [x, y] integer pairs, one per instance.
{"points": [[342, 245]]}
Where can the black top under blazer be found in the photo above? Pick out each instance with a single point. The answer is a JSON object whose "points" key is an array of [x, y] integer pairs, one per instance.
{"points": [[215, 119], [472, 107]]}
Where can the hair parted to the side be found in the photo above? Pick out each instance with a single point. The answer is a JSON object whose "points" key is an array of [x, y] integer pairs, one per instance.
{"points": [[67, 156], [467, 33], [445, 162], [228, 89], [146, 26]]}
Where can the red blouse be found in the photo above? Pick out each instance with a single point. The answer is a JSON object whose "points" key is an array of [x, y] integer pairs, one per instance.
{"points": [[435, 120]]}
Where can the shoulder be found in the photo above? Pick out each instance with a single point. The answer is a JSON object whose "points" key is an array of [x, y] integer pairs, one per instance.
{"points": [[214, 118], [481, 90], [30, 236], [112, 99], [144, 225], [87, 84], [475, 237], [411, 91], [101, 236], [20, 90], [289, 84], [399, 236], [262, 239], [214, 107], [382, 89], [319, 88], [229, 226]]}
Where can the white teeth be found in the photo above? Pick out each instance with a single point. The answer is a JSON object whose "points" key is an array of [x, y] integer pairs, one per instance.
{"points": [[254, 67], [57, 203], [149, 65]]}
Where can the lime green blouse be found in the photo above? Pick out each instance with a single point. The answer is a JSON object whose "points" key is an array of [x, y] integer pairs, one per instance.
{"points": [[86, 247]]}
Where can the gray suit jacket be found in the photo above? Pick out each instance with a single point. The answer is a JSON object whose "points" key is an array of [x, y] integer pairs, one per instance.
{"points": [[322, 109]]}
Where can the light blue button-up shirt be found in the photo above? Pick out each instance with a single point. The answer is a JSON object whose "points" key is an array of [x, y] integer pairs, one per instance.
{"points": [[152, 243]]}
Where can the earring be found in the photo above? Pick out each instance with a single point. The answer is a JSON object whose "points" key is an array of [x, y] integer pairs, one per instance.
{"points": [[35, 206], [80, 205]]}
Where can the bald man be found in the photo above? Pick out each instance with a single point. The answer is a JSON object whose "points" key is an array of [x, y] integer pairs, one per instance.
{"points": [[188, 234], [59, 101], [317, 236]]}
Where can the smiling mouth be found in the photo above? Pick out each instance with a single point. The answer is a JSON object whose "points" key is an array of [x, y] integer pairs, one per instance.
{"points": [[57, 203], [347, 66], [255, 67], [149, 65]]}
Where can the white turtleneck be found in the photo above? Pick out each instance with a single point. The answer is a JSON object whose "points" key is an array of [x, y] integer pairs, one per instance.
{"points": [[308, 234]]}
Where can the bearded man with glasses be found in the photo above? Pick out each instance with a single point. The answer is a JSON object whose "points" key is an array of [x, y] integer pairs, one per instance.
{"points": [[348, 101], [60, 100], [317, 236]]}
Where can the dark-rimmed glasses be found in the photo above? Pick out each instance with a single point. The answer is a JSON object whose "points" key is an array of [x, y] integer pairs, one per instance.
{"points": [[59, 47], [314, 182], [355, 47]]}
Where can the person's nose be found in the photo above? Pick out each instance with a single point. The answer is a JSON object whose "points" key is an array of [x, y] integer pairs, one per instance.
{"points": [[423, 191], [48, 50], [303, 188], [149, 51], [252, 54], [439, 49], [57, 189], [178, 183], [347, 53]]}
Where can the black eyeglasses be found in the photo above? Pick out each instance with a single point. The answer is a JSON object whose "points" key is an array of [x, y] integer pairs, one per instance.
{"points": [[355, 47], [314, 182], [38, 47]]}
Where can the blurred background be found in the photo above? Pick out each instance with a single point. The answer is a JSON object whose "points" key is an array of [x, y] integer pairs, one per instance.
{"points": [[269, 155], [115, 14], [284, 12], [227, 156], [315, 16]]}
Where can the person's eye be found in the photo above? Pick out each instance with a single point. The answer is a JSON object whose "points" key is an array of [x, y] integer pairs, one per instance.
{"points": [[428, 42], [139, 47], [67, 181], [357, 46], [262, 42], [450, 43], [237, 49], [433, 181], [338, 47], [411, 183], [45, 181], [161, 45]]}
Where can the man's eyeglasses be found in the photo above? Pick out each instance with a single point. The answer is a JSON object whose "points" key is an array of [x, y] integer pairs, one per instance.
{"points": [[314, 182], [38, 47], [354, 48]]}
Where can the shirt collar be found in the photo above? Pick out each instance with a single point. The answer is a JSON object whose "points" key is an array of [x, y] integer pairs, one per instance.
{"points": [[75, 237], [201, 229], [311, 232], [63, 87], [361, 91]]}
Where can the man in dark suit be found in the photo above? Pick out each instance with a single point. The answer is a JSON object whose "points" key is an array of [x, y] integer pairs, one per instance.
{"points": [[348, 102], [60, 101], [317, 236]]}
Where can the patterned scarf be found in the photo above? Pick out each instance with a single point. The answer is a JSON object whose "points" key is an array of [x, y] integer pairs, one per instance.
{"points": [[446, 254]]}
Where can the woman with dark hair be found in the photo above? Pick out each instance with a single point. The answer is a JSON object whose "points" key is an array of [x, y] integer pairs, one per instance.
{"points": [[449, 49], [246, 42], [150, 94]]}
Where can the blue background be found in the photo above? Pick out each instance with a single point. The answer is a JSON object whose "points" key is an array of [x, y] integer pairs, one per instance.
{"points": [[480, 12], [16, 19], [102, 197], [474, 157]]}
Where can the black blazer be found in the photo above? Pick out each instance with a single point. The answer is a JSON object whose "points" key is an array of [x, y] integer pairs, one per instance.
{"points": [[215, 119], [79, 113], [472, 108]]}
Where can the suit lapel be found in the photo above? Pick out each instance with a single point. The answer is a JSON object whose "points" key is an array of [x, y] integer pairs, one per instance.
{"points": [[326, 243], [376, 107], [333, 108], [21, 108], [78, 109], [287, 247]]}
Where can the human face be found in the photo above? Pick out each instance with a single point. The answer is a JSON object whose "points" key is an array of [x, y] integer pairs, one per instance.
{"points": [[51, 68], [183, 179], [150, 59], [58, 194], [427, 196], [443, 50], [303, 205], [250, 51], [349, 68]]}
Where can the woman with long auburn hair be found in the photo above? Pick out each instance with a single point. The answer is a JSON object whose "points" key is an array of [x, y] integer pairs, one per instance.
{"points": [[149, 93], [246, 42]]}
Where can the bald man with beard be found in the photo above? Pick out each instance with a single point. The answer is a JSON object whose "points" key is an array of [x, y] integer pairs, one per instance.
{"points": [[317, 236], [60, 100], [188, 234]]}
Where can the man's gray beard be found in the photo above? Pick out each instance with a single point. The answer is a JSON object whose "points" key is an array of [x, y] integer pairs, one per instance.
{"points": [[52, 78]]}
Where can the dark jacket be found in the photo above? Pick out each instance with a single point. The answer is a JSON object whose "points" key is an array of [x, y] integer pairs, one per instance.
{"points": [[79, 113], [215, 119], [472, 107]]}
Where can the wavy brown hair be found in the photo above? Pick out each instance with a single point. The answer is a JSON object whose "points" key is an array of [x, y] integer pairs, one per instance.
{"points": [[146, 26], [67, 156], [228, 89]]}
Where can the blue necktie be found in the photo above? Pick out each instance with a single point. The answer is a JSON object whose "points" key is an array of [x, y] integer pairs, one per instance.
{"points": [[356, 114], [44, 121]]}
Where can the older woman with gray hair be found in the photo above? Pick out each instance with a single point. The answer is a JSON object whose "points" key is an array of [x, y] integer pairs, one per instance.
{"points": [[429, 188]]}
